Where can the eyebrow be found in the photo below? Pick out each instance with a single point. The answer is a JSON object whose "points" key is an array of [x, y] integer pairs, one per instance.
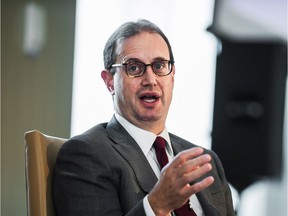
{"points": [[137, 59]]}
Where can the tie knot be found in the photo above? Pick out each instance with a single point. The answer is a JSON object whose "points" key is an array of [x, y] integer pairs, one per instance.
{"points": [[159, 143]]}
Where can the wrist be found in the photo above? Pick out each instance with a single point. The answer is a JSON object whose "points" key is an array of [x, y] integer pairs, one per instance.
{"points": [[157, 208]]}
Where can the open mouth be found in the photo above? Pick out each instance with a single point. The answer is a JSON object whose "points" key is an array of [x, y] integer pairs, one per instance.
{"points": [[149, 98]]}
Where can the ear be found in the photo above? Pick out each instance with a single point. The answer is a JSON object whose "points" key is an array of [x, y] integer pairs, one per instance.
{"points": [[174, 70], [173, 73], [108, 79]]}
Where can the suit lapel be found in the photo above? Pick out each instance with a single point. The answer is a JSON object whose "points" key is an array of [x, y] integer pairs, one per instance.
{"points": [[127, 147]]}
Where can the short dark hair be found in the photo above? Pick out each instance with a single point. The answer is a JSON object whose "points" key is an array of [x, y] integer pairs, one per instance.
{"points": [[125, 31]]}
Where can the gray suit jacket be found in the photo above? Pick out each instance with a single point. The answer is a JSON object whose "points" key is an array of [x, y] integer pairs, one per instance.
{"points": [[104, 172]]}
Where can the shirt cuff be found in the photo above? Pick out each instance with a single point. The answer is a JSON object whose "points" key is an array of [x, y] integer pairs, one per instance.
{"points": [[147, 208]]}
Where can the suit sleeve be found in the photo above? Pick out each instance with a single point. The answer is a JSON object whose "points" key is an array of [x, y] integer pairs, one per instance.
{"points": [[227, 192], [86, 184]]}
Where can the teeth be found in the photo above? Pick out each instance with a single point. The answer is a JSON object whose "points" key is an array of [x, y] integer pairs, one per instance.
{"points": [[150, 100]]}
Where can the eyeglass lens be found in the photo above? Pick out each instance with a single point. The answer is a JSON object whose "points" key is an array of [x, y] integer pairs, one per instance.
{"points": [[137, 68]]}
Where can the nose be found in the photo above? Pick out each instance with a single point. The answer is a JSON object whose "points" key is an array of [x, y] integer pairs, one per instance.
{"points": [[149, 77]]}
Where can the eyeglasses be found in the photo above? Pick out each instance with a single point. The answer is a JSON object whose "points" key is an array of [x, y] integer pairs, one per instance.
{"points": [[137, 68]]}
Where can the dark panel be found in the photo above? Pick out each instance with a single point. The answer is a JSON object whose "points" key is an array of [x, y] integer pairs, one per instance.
{"points": [[249, 110]]}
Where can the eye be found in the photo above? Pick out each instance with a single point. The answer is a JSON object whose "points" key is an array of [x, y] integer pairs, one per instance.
{"points": [[159, 65], [133, 67]]}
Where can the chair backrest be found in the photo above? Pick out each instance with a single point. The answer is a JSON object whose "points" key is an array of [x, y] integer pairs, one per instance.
{"points": [[40, 157]]}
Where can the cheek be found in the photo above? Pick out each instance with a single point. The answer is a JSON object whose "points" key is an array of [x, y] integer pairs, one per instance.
{"points": [[118, 83], [168, 88], [170, 84], [124, 88]]}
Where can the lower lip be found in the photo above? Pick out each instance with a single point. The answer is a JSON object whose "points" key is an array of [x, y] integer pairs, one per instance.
{"points": [[150, 104]]}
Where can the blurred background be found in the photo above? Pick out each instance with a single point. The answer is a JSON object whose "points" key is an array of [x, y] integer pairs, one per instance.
{"points": [[231, 77]]}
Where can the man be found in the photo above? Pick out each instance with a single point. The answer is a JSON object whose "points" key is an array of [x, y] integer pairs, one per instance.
{"points": [[114, 168]]}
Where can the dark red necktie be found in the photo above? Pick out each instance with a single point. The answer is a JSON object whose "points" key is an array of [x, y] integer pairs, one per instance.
{"points": [[162, 158]]}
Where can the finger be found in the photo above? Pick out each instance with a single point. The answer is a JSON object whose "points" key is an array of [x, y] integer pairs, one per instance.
{"points": [[195, 163], [199, 186], [186, 155], [188, 190], [198, 173], [193, 176]]}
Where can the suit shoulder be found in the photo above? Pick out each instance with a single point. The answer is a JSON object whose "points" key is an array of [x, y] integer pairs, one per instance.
{"points": [[177, 139], [185, 143], [87, 138], [95, 133]]}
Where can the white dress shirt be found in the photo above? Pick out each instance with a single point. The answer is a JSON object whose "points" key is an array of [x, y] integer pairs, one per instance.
{"points": [[145, 140]]}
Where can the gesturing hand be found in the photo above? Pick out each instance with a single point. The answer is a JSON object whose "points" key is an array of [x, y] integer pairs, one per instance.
{"points": [[175, 186]]}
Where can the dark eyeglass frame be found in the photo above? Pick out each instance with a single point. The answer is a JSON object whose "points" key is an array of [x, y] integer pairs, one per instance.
{"points": [[169, 64]]}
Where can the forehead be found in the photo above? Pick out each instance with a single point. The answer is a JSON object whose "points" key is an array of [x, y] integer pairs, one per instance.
{"points": [[144, 46]]}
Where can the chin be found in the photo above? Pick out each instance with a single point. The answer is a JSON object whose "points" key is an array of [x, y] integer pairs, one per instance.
{"points": [[151, 118]]}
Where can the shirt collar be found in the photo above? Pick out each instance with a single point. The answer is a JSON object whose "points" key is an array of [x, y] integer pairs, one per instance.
{"points": [[145, 139]]}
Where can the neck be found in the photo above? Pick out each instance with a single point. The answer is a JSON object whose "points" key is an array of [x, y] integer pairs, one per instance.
{"points": [[152, 127], [155, 127]]}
